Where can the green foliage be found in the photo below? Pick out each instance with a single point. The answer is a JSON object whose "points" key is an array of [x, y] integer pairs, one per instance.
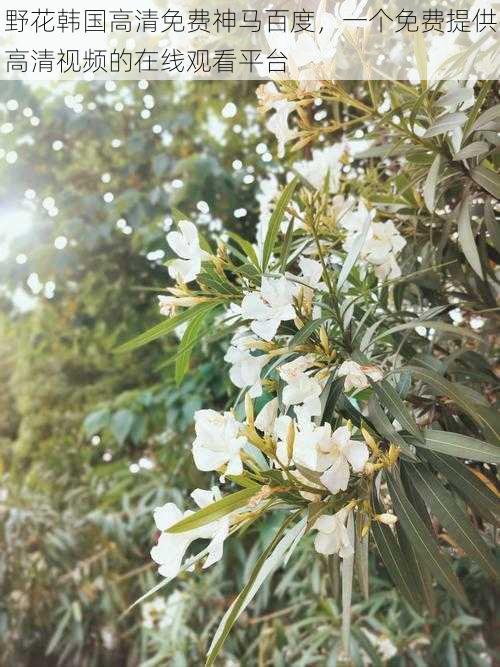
{"points": [[74, 415]]}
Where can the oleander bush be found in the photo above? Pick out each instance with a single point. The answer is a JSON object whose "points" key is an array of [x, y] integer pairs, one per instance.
{"points": [[323, 372]]}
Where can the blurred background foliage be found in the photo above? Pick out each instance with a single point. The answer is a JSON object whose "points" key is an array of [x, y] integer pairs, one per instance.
{"points": [[91, 442]]}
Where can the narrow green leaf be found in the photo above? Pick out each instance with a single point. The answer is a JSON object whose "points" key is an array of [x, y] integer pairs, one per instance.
{"points": [[423, 542], [395, 404], [450, 329], [361, 554], [429, 189], [275, 221], [448, 121], [488, 120], [347, 573], [189, 339], [453, 518], [285, 250], [474, 149], [309, 328], [461, 446], [492, 225], [487, 179], [166, 327], [468, 485], [267, 562], [486, 418], [466, 236], [385, 428], [395, 563], [423, 575], [214, 511], [246, 246]]}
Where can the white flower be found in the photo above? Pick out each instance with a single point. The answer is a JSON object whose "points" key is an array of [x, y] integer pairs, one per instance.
{"points": [[353, 221], [383, 241], [312, 271], [382, 643], [302, 390], [217, 442], [325, 161], [245, 367], [171, 547], [266, 418], [169, 304], [268, 191], [219, 528], [333, 536], [278, 124], [311, 446], [341, 451], [269, 307], [356, 376], [292, 370], [186, 245]]}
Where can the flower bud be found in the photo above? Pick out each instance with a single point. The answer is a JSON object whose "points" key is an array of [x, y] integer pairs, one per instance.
{"points": [[249, 410], [387, 518], [290, 440]]}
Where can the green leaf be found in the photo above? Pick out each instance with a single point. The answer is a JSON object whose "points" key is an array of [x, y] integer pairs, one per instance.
{"points": [[275, 221], [420, 569], [95, 422], [461, 446], [468, 485], [466, 236], [491, 225], [353, 253], [120, 425], [394, 403], [246, 246], [486, 418], [191, 336], [448, 121], [308, 329], [163, 328], [429, 190], [384, 427], [214, 511], [487, 179], [488, 120], [474, 149], [285, 250], [272, 557], [422, 541], [453, 518], [431, 324], [395, 563]]}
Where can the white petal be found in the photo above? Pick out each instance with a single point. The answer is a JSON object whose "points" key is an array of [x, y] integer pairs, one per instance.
{"points": [[207, 459], [266, 329], [234, 466], [336, 478], [166, 515], [202, 497], [357, 454], [267, 416], [215, 548]]}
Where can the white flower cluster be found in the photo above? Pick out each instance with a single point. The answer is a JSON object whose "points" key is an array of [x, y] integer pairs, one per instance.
{"points": [[321, 459]]}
